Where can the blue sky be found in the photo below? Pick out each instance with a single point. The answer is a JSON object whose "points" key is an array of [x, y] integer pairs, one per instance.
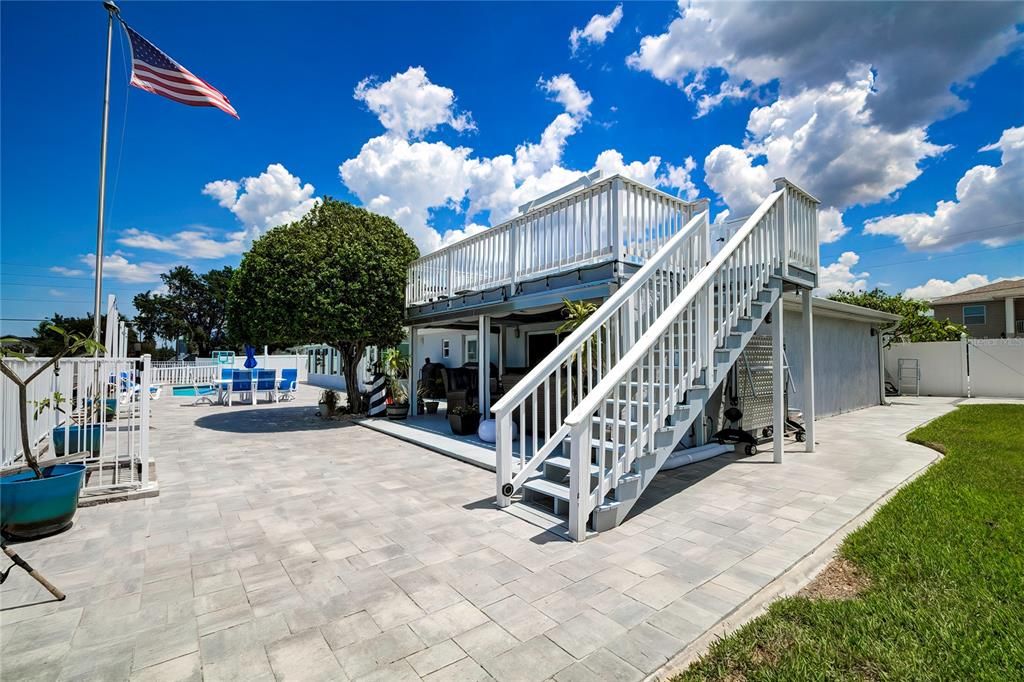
{"points": [[446, 116]]}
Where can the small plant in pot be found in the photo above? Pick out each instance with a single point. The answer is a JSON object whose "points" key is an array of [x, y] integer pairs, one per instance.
{"points": [[464, 419], [328, 404], [396, 367], [424, 393], [44, 499]]}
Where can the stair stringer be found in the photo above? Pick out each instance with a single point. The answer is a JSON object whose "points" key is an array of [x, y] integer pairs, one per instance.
{"points": [[631, 486]]}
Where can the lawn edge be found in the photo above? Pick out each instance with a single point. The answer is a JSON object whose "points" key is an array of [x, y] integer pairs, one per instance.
{"points": [[791, 581]]}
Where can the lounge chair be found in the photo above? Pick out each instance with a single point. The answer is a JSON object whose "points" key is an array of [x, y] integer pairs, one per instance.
{"points": [[289, 384], [265, 381], [241, 383]]}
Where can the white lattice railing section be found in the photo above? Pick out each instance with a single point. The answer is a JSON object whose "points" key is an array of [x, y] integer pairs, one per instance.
{"points": [[186, 374], [612, 219], [668, 359], [101, 418], [554, 388], [801, 226]]}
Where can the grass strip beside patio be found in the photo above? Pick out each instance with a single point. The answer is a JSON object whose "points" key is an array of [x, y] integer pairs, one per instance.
{"points": [[945, 562]]}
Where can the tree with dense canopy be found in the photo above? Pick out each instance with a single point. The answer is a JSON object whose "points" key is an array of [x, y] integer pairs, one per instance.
{"points": [[335, 276], [51, 333], [915, 325], [194, 309]]}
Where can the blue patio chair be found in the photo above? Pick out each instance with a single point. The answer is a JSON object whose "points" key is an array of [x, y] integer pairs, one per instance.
{"points": [[289, 384], [241, 382], [266, 381]]}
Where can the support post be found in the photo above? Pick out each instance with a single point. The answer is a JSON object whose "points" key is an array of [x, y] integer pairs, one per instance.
{"points": [[144, 408], [579, 481], [881, 368], [501, 350], [503, 457], [413, 400], [808, 387], [483, 357], [778, 383], [1011, 322]]}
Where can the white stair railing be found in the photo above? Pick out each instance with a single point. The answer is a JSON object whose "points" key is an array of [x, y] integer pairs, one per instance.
{"points": [[672, 356], [563, 379]]}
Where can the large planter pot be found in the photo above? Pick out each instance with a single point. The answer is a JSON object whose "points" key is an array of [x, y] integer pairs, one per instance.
{"points": [[463, 424], [79, 439], [31, 507], [396, 411]]}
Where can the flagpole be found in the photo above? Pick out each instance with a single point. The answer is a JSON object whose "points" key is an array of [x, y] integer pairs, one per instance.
{"points": [[112, 11]]}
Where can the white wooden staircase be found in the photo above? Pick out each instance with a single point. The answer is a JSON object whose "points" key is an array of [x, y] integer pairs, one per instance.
{"points": [[597, 419]]}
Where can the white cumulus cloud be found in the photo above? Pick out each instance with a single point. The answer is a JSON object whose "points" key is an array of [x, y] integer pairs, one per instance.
{"points": [[274, 197], [841, 275], [937, 288], [409, 105], [919, 50], [825, 140], [596, 31], [193, 243], [117, 266], [989, 206]]}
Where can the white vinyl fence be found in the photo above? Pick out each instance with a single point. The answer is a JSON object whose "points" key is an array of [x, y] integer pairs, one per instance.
{"points": [[206, 370], [101, 418], [986, 368]]}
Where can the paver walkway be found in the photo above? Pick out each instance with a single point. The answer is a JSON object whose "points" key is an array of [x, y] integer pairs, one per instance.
{"points": [[284, 547]]}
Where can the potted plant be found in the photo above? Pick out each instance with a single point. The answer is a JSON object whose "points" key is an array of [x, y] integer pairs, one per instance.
{"points": [[464, 419], [396, 367], [424, 393], [44, 499], [328, 404]]}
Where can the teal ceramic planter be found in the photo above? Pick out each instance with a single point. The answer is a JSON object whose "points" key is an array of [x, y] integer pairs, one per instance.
{"points": [[80, 439], [31, 507]]}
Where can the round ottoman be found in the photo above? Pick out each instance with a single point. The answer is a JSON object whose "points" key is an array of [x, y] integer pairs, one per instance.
{"points": [[487, 431]]}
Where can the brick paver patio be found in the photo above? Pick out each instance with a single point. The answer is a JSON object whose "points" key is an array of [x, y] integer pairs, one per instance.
{"points": [[283, 547]]}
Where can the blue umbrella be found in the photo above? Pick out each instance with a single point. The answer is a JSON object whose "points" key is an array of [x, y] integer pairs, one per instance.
{"points": [[250, 357]]}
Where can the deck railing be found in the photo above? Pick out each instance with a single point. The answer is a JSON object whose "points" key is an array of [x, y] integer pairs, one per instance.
{"points": [[615, 219], [101, 419]]}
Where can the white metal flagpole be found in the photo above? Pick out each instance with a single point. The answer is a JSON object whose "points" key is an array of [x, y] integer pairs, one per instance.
{"points": [[112, 11]]}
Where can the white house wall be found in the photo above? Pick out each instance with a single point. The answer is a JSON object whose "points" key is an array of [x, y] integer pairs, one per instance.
{"points": [[845, 363]]}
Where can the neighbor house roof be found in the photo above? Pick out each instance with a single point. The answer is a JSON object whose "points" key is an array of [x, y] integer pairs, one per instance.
{"points": [[990, 292]]}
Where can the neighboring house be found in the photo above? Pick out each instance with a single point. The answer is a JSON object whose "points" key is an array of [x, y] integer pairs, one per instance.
{"points": [[678, 315], [990, 312]]}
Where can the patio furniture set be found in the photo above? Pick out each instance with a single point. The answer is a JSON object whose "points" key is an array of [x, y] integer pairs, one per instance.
{"points": [[242, 384]]}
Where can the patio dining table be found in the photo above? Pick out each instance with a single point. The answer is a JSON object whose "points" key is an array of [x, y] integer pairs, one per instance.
{"points": [[224, 384]]}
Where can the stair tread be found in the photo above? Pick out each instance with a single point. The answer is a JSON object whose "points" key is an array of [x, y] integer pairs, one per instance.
{"points": [[549, 488], [566, 463]]}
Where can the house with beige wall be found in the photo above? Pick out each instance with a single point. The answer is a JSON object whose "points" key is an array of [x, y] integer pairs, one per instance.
{"points": [[990, 312]]}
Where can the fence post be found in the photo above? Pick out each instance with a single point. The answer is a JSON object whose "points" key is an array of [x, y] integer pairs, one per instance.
{"points": [[783, 184], [965, 366], [144, 400]]}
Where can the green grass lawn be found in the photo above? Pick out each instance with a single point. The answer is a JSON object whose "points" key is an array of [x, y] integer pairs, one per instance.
{"points": [[945, 557]]}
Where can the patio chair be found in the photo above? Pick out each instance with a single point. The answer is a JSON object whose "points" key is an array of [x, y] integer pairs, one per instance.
{"points": [[241, 383], [265, 381], [459, 386], [289, 384]]}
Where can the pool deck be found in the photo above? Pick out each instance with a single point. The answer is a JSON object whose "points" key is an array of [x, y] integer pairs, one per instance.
{"points": [[282, 546]]}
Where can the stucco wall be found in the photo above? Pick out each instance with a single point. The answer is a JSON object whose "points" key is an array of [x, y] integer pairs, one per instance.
{"points": [[845, 363], [995, 317]]}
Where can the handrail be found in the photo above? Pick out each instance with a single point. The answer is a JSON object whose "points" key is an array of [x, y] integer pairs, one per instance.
{"points": [[609, 381], [568, 346]]}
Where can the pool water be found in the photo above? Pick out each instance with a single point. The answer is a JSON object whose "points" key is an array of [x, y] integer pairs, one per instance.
{"points": [[202, 389]]}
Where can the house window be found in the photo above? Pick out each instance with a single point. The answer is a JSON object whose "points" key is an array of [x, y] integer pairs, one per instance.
{"points": [[974, 314], [446, 348], [470, 349]]}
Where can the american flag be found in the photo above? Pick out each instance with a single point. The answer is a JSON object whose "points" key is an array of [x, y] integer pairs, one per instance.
{"points": [[153, 71]]}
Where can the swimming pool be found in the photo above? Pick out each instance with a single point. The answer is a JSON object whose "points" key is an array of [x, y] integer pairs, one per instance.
{"points": [[190, 390]]}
